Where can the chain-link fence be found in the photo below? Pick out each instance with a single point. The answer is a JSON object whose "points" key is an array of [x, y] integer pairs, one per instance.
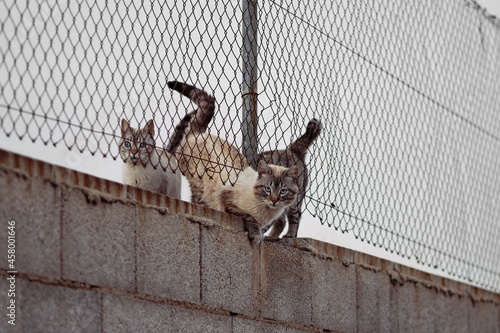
{"points": [[407, 93]]}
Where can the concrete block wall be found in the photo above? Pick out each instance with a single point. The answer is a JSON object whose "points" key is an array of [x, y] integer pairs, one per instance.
{"points": [[97, 256]]}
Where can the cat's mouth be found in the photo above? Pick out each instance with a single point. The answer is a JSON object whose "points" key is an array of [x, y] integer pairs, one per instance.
{"points": [[274, 204], [134, 159]]}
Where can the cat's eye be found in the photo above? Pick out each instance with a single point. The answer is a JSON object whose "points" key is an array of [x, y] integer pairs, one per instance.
{"points": [[284, 191], [142, 145], [267, 189], [127, 144]]}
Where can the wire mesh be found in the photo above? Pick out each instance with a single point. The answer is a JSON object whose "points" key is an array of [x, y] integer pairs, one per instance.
{"points": [[407, 93]]}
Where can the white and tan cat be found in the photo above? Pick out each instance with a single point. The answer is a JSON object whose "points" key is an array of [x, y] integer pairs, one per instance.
{"points": [[259, 197], [220, 177], [145, 166]]}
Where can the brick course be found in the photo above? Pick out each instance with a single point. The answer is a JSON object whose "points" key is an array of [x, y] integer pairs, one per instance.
{"points": [[98, 256]]}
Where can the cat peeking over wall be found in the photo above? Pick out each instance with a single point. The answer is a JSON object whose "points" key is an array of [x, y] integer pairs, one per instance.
{"points": [[220, 177], [145, 166]]}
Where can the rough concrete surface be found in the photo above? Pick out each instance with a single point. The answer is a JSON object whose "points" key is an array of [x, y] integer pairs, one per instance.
{"points": [[95, 256], [286, 284], [375, 297], [98, 241], [129, 314], [48, 308], [333, 294], [227, 270], [168, 256], [35, 207]]}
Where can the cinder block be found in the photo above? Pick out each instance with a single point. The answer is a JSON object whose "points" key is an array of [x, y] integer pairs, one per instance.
{"points": [[98, 240], [48, 308], [222, 219], [286, 284], [334, 295], [417, 308], [227, 270], [255, 326], [375, 301], [127, 314], [483, 316], [35, 206], [191, 320], [168, 256], [450, 313]]}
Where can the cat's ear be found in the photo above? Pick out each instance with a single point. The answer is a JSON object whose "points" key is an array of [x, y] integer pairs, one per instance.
{"points": [[263, 168], [150, 126], [292, 172], [125, 126]]}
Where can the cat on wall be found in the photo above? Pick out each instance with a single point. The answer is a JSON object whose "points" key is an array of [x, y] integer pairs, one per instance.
{"points": [[145, 166], [294, 154], [219, 175]]}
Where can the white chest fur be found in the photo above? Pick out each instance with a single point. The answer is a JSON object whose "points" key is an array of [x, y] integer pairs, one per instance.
{"points": [[153, 177]]}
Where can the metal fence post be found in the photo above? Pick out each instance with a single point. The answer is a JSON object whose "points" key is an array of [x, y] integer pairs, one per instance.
{"points": [[249, 86]]}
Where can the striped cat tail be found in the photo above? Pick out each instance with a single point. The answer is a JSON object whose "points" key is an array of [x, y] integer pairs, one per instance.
{"points": [[301, 145], [179, 132], [205, 103]]}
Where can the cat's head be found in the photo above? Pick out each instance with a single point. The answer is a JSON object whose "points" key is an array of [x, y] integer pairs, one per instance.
{"points": [[136, 145], [277, 186]]}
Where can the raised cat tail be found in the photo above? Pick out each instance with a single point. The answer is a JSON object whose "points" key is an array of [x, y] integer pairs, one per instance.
{"points": [[206, 105], [301, 145], [179, 132]]}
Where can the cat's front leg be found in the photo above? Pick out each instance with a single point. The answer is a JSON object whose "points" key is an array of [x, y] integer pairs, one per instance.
{"points": [[278, 226], [254, 230], [251, 224], [294, 216]]}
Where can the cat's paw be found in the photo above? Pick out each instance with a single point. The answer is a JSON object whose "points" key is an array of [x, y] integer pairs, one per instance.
{"points": [[313, 128], [271, 239], [255, 238]]}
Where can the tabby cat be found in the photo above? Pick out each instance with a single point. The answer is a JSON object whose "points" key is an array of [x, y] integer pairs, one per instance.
{"points": [[144, 165], [294, 154], [220, 177]]}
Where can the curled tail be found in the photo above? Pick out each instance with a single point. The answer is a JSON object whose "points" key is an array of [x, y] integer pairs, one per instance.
{"points": [[301, 145], [179, 132], [206, 105]]}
